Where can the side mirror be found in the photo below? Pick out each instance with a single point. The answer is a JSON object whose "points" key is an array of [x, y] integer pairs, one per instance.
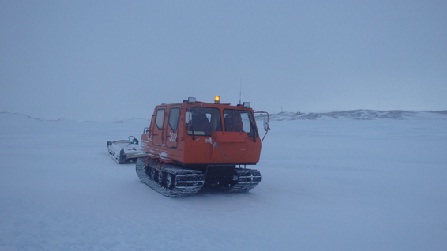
{"points": [[266, 122]]}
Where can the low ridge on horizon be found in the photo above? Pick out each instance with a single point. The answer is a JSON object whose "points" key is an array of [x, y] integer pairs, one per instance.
{"points": [[361, 114]]}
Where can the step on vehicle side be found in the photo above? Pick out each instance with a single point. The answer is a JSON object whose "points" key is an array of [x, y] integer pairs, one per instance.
{"points": [[194, 144]]}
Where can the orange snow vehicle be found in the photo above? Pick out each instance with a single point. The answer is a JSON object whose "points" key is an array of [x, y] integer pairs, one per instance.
{"points": [[193, 144]]}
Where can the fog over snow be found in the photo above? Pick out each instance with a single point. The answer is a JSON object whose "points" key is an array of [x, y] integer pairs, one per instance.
{"points": [[334, 181], [108, 60]]}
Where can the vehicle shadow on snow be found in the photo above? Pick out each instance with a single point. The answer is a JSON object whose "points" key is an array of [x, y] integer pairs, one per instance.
{"points": [[216, 191]]}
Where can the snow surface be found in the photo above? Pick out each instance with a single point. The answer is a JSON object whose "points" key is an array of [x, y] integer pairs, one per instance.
{"points": [[337, 184]]}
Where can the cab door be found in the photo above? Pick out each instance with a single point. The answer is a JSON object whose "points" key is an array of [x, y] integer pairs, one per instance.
{"points": [[172, 127], [158, 130]]}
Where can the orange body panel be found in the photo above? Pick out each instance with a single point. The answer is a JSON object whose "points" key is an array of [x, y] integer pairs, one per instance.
{"points": [[196, 133]]}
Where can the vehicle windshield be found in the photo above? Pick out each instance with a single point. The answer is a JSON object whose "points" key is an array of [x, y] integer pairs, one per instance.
{"points": [[239, 121], [202, 121]]}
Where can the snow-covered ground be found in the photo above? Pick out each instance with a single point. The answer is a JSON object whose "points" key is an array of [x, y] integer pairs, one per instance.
{"points": [[328, 184]]}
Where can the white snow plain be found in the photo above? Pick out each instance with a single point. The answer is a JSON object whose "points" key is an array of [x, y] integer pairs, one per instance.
{"points": [[328, 184]]}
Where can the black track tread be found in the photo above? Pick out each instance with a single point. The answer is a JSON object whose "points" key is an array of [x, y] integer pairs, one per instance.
{"points": [[187, 182], [247, 179]]}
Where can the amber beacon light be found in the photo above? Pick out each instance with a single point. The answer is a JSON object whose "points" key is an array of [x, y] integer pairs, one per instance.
{"points": [[217, 99]]}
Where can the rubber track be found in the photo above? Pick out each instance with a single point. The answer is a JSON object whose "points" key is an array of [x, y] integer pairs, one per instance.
{"points": [[185, 181], [247, 180]]}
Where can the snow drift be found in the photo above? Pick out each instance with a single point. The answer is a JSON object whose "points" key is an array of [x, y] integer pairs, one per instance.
{"points": [[334, 183]]}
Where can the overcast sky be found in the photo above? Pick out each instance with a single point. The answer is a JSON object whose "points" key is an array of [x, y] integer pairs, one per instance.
{"points": [[107, 60]]}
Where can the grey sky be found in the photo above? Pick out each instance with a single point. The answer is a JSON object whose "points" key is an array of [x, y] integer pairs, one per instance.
{"points": [[105, 60]]}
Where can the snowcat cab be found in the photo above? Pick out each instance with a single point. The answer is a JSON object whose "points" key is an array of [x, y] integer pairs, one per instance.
{"points": [[192, 144]]}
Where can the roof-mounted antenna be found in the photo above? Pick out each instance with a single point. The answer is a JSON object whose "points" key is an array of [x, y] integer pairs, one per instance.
{"points": [[240, 91]]}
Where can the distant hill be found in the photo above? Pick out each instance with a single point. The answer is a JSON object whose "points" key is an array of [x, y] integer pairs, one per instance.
{"points": [[354, 115], [15, 115], [360, 115], [4, 116]]}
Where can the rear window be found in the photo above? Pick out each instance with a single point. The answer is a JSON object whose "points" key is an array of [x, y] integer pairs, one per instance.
{"points": [[160, 118], [173, 118]]}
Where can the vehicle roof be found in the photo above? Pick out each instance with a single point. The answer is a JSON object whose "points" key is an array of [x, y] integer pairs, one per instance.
{"points": [[185, 103]]}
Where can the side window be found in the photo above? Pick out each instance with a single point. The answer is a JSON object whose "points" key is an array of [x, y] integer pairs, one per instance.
{"points": [[173, 118], [160, 118]]}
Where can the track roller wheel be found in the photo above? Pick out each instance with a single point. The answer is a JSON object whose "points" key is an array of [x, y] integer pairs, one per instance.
{"points": [[170, 181]]}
